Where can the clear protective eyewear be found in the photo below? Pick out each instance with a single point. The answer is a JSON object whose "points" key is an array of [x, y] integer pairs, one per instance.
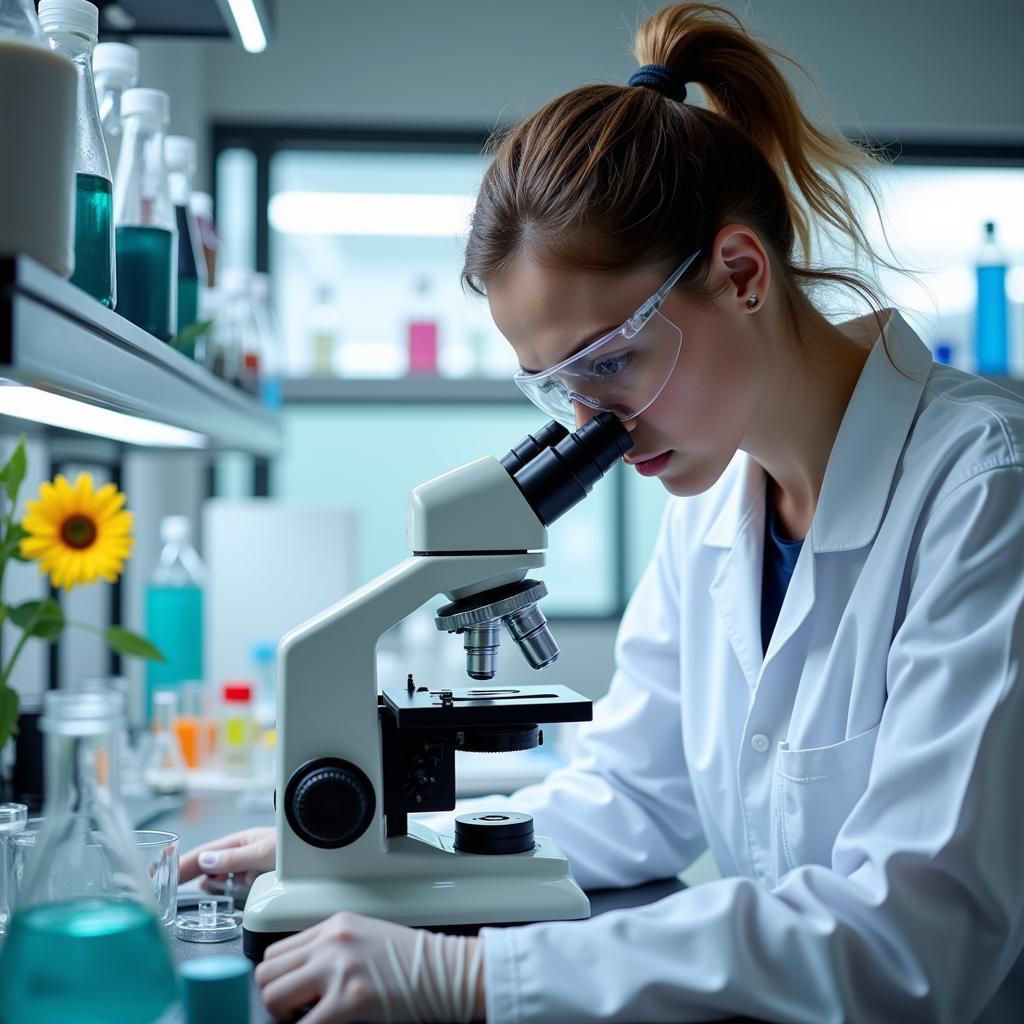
{"points": [[622, 372]]}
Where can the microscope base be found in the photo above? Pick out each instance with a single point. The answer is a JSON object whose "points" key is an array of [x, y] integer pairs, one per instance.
{"points": [[431, 885]]}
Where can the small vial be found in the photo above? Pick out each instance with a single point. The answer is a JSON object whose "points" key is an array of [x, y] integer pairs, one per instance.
{"points": [[238, 728]]}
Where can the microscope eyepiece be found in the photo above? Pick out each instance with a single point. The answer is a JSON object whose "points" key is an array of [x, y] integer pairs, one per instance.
{"points": [[562, 475], [532, 445]]}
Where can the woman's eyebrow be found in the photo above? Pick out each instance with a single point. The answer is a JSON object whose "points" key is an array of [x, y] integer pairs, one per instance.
{"points": [[589, 340]]}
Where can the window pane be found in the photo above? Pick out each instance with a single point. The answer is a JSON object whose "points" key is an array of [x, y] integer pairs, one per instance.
{"points": [[934, 217], [362, 243], [369, 457]]}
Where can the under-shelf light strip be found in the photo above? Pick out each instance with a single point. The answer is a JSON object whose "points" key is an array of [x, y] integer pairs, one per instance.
{"points": [[247, 21], [58, 411]]}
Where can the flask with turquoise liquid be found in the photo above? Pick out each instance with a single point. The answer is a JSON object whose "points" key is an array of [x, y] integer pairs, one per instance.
{"points": [[991, 338], [174, 610], [85, 942], [71, 27]]}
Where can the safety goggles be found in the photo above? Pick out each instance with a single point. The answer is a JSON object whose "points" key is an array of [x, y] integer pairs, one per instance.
{"points": [[622, 372]]}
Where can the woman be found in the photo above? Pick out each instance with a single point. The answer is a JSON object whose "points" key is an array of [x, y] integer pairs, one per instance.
{"points": [[819, 674]]}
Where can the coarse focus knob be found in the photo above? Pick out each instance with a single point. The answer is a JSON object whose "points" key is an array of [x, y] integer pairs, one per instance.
{"points": [[329, 802]]}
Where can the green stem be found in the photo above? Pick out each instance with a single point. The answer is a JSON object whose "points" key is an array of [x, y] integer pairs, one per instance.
{"points": [[9, 667]]}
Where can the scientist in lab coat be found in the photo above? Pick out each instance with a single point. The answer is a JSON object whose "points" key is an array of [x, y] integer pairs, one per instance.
{"points": [[819, 675]]}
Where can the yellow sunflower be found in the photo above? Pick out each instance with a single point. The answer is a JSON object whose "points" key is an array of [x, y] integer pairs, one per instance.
{"points": [[77, 533]]}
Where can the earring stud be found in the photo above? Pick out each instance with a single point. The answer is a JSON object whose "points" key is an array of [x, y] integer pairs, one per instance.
{"points": [[753, 300]]}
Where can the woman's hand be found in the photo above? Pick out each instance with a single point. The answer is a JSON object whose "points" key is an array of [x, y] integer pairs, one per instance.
{"points": [[244, 854], [356, 968]]}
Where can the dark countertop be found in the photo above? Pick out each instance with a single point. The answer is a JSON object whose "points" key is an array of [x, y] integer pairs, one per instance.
{"points": [[201, 818]]}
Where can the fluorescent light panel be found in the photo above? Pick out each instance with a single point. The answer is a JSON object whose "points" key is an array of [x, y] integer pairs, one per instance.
{"points": [[247, 21], [57, 411], [370, 213]]}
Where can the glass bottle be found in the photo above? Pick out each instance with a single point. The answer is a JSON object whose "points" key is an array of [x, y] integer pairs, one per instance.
{"points": [[147, 243], [991, 338], [164, 771], [115, 67], [325, 329], [71, 27], [422, 328], [85, 943], [201, 205], [271, 357], [174, 610], [180, 153]]}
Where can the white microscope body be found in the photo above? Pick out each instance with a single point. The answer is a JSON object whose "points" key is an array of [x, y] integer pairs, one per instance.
{"points": [[472, 531]]}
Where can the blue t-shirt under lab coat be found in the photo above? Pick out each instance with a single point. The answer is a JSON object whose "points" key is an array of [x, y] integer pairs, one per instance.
{"points": [[780, 555]]}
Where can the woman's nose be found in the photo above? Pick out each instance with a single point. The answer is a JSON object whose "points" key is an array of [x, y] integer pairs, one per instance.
{"points": [[584, 414]]}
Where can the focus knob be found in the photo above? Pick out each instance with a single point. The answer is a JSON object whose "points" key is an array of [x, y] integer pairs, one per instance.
{"points": [[329, 802]]}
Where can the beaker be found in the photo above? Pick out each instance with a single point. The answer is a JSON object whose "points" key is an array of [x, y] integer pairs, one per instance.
{"points": [[70, 943], [13, 818]]}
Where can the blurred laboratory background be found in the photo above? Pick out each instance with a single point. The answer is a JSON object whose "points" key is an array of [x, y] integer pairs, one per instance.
{"points": [[318, 357]]}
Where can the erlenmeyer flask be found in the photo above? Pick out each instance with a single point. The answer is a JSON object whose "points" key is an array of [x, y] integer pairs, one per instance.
{"points": [[85, 943]]}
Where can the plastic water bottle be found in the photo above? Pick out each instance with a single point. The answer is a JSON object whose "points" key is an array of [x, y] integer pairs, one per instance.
{"points": [[991, 345], [174, 610]]}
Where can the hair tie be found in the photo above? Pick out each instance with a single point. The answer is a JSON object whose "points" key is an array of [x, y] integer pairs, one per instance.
{"points": [[660, 79]]}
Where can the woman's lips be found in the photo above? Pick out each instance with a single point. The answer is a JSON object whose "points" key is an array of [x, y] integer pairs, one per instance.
{"points": [[653, 466]]}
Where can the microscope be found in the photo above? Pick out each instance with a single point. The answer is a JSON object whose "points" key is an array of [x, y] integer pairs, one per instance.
{"points": [[355, 759]]}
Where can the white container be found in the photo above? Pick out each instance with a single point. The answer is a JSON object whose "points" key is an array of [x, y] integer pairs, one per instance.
{"points": [[37, 158]]}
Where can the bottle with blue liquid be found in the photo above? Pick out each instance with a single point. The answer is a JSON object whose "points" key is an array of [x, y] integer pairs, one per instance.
{"points": [[991, 321], [174, 610]]}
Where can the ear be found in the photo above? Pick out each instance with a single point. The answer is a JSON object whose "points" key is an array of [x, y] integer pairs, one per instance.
{"points": [[744, 266]]}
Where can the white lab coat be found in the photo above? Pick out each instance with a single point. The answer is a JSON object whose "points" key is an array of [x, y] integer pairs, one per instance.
{"points": [[861, 786]]}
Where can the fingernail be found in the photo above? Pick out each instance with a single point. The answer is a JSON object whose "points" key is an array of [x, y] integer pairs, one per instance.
{"points": [[208, 860]]}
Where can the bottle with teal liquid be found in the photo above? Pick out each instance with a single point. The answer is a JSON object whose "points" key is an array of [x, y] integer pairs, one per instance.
{"points": [[991, 338], [174, 610], [71, 27], [85, 942], [145, 233]]}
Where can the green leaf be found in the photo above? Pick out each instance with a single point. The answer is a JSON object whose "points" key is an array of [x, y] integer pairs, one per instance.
{"points": [[3, 613], [43, 619], [8, 714], [124, 641], [9, 548], [190, 334], [13, 472]]}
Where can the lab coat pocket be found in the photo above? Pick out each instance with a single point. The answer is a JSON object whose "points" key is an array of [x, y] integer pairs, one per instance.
{"points": [[815, 790]]}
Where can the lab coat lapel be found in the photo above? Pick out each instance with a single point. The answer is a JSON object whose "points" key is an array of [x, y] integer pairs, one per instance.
{"points": [[736, 587], [853, 498]]}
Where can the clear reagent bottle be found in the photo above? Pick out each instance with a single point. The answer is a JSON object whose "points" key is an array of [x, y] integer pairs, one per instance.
{"points": [[71, 27], [115, 67], [146, 235]]}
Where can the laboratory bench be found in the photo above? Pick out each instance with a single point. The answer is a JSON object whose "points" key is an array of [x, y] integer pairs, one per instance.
{"points": [[200, 818]]}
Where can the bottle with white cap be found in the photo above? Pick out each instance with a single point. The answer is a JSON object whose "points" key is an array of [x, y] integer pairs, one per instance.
{"points": [[174, 610], [115, 66], [180, 153], [147, 243], [71, 27]]}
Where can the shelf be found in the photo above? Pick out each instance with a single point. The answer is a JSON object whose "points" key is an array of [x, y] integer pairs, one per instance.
{"points": [[482, 390], [56, 338]]}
